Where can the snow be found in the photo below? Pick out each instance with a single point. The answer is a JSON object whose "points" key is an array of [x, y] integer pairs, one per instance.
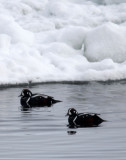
{"points": [[66, 40]]}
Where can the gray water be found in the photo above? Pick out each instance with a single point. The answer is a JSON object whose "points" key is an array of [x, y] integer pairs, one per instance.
{"points": [[42, 133]]}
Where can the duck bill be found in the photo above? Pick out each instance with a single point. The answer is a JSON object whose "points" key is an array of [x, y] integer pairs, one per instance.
{"points": [[20, 95]]}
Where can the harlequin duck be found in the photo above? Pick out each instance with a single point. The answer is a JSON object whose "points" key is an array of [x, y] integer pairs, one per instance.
{"points": [[76, 119], [28, 99]]}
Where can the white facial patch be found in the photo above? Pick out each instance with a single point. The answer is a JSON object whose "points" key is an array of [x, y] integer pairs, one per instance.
{"points": [[69, 112], [74, 111], [29, 93]]}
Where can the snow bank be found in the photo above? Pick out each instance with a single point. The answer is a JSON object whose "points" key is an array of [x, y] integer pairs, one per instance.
{"points": [[106, 41], [66, 40]]}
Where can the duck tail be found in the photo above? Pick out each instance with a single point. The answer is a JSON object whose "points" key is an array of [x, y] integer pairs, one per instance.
{"points": [[55, 101], [104, 120], [98, 119]]}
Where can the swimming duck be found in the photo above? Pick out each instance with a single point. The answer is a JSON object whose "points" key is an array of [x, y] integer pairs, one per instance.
{"points": [[76, 119], [28, 99]]}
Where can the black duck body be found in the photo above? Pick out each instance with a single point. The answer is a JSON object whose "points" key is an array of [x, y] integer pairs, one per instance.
{"points": [[83, 120], [36, 100]]}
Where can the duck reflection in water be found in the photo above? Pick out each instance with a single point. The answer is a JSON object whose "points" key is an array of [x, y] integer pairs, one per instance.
{"points": [[76, 119], [26, 109], [71, 132]]}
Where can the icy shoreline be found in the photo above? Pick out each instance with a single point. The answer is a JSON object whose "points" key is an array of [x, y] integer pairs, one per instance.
{"points": [[28, 85]]}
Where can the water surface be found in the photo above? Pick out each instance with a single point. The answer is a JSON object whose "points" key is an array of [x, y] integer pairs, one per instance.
{"points": [[42, 133]]}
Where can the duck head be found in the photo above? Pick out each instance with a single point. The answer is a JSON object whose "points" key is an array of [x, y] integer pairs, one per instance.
{"points": [[25, 93], [71, 112]]}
